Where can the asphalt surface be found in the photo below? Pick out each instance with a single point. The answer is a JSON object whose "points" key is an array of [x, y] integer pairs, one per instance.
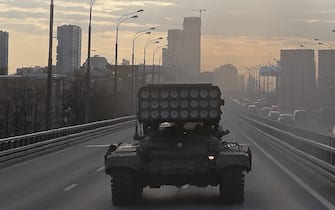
{"points": [[74, 178]]}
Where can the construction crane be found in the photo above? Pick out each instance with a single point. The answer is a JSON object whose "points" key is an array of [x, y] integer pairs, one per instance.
{"points": [[200, 11]]}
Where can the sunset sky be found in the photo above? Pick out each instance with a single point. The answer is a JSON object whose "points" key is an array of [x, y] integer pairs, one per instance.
{"points": [[241, 32]]}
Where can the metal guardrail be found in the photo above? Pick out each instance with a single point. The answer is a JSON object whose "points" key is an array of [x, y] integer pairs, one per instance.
{"points": [[316, 148], [24, 140]]}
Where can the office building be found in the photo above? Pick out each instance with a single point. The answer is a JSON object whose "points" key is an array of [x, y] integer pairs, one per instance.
{"points": [[68, 49], [297, 81], [3, 53], [226, 77], [183, 55], [326, 78]]}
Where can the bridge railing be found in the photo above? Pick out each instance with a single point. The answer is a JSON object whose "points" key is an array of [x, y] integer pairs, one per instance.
{"points": [[24, 140], [316, 148]]}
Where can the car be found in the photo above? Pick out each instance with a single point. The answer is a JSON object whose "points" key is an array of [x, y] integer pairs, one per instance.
{"points": [[286, 118], [243, 105], [300, 116], [252, 109], [275, 108], [265, 111], [246, 100], [273, 115], [257, 104]]}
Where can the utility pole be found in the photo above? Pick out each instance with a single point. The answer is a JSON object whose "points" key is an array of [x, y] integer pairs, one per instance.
{"points": [[88, 71], [49, 80], [123, 18]]}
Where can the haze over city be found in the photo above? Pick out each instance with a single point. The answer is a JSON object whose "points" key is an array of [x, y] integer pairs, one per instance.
{"points": [[244, 33], [168, 104]]}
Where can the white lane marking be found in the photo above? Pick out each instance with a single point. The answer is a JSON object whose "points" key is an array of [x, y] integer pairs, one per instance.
{"points": [[315, 194], [96, 145], [70, 187], [100, 169]]}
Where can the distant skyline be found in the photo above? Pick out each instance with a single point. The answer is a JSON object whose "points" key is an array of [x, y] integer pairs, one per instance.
{"points": [[244, 33]]}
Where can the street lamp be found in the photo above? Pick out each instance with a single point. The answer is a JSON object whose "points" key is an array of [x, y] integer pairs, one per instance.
{"points": [[134, 74], [88, 71], [49, 80], [123, 18], [148, 44], [153, 61]]}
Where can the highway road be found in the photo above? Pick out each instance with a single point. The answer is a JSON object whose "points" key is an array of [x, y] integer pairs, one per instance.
{"points": [[74, 178]]}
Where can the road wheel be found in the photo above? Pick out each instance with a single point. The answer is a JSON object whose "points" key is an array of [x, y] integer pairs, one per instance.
{"points": [[232, 186], [125, 189]]}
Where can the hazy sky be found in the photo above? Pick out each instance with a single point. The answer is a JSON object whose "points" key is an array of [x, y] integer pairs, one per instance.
{"points": [[241, 32]]}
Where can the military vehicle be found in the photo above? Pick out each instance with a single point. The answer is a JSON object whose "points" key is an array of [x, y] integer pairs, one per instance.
{"points": [[179, 143]]}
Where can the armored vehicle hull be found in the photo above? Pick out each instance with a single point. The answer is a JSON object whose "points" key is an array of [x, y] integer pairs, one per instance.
{"points": [[178, 150]]}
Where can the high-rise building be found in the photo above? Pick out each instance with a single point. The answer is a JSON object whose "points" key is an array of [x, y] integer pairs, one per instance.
{"points": [[183, 55], [3, 53], [68, 49], [297, 81], [192, 56], [326, 78], [226, 77]]}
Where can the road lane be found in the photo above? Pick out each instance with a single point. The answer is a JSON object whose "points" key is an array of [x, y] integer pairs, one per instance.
{"points": [[41, 183]]}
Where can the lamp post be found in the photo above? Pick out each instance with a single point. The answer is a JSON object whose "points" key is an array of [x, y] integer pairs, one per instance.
{"points": [[49, 80], [88, 71], [153, 61], [123, 18], [148, 44], [134, 74]]}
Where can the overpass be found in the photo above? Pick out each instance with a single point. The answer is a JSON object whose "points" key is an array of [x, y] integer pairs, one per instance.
{"points": [[64, 168]]}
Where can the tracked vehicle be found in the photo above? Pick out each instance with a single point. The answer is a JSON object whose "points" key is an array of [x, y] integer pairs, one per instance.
{"points": [[180, 142]]}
